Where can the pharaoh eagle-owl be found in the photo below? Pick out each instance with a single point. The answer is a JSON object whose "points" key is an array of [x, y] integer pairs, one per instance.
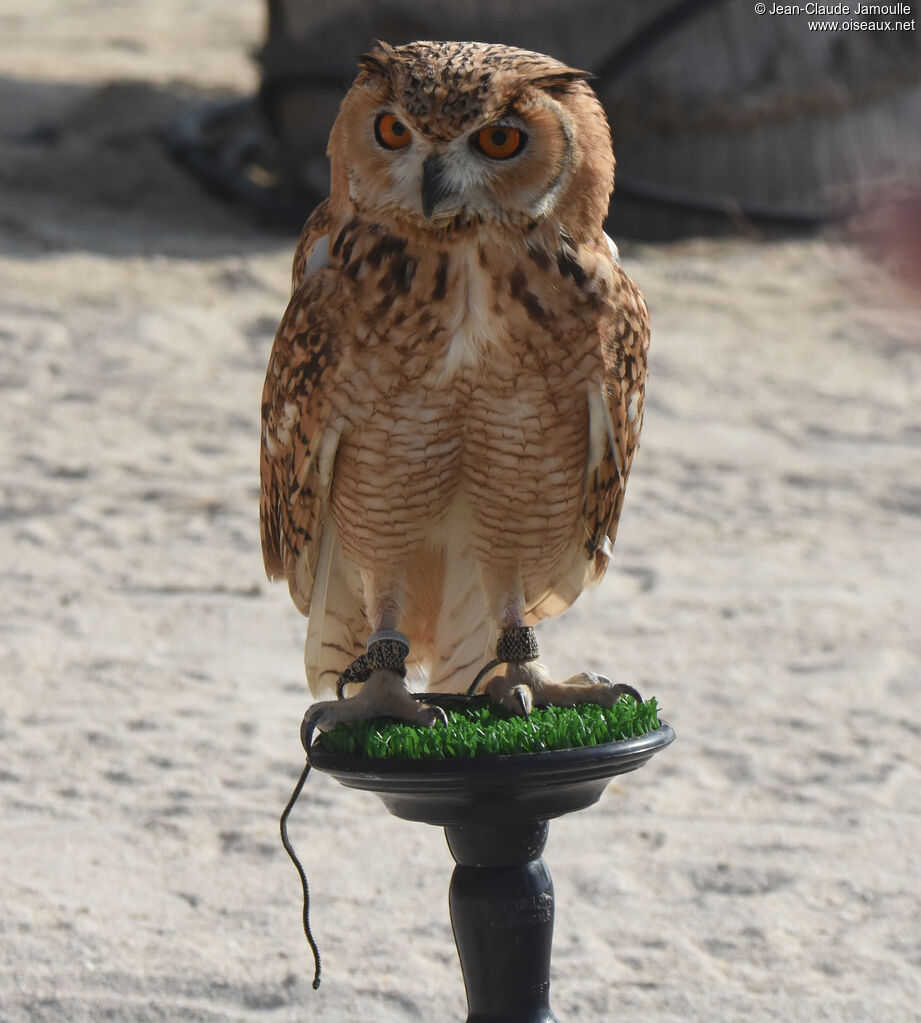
{"points": [[456, 389]]}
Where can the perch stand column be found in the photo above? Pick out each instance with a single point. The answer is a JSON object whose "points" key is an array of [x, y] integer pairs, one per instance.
{"points": [[501, 901], [495, 813]]}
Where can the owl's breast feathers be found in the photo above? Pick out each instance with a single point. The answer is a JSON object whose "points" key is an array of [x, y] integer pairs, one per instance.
{"points": [[408, 369]]}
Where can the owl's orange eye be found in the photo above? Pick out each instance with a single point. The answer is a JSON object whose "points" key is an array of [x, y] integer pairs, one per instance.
{"points": [[500, 141], [391, 133]]}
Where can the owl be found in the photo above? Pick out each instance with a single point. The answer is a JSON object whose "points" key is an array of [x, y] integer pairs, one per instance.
{"points": [[455, 392]]}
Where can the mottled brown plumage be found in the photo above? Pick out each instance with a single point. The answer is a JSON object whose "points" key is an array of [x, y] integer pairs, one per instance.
{"points": [[455, 393]]}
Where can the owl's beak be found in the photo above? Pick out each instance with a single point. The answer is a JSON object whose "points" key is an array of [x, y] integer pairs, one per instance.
{"points": [[435, 186]]}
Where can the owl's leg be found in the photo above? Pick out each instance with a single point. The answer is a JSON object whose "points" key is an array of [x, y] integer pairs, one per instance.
{"points": [[380, 673], [526, 683]]}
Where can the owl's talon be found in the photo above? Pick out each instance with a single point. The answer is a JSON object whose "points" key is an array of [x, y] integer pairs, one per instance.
{"points": [[619, 689], [431, 715], [515, 696], [521, 696], [314, 719]]}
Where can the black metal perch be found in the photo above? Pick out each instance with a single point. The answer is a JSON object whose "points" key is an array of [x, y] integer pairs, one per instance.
{"points": [[496, 811]]}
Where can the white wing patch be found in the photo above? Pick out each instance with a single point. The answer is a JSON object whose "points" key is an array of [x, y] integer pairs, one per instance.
{"points": [[319, 258], [313, 560], [316, 261], [600, 431], [315, 583], [615, 255]]}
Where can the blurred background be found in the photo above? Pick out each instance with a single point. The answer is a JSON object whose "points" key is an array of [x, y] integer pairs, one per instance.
{"points": [[156, 161], [724, 120], [722, 117]]}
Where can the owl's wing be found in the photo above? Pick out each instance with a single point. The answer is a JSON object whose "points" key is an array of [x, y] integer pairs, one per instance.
{"points": [[298, 440], [615, 418]]}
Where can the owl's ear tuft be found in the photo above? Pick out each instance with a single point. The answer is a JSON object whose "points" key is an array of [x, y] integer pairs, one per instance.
{"points": [[378, 60], [561, 80]]}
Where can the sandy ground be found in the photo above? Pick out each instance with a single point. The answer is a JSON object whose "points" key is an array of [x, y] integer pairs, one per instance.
{"points": [[764, 867]]}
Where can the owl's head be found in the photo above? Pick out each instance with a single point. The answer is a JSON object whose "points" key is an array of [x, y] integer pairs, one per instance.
{"points": [[455, 136]]}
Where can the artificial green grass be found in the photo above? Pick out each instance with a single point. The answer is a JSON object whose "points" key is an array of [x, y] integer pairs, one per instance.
{"points": [[479, 730]]}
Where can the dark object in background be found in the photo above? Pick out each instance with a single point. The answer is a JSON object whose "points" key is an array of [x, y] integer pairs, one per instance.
{"points": [[722, 120]]}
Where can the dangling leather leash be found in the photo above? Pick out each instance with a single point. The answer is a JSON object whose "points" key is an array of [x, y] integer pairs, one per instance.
{"points": [[289, 849]]}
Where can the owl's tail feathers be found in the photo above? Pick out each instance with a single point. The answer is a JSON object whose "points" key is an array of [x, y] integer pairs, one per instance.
{"points": [[464, 635], [336, 623]]}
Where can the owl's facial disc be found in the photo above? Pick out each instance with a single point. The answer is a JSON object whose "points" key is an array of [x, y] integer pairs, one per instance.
{"points": [[441, 180], [505, 169]]}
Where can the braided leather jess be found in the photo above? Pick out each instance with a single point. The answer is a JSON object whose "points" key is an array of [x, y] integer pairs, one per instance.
{"points": [[514, 646], [381, 653], [517, 645]]}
